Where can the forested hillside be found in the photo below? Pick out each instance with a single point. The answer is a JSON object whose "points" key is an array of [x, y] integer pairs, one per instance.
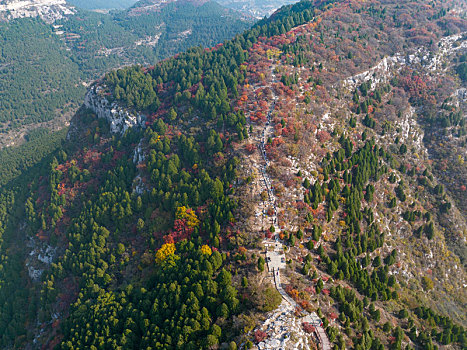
{"points": [[301, 185]]}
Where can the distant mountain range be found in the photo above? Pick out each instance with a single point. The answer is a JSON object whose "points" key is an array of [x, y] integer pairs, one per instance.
{"points": [[102, 4], [255, 8]]}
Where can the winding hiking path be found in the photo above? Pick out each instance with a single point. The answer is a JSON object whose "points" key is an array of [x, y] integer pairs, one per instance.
{"points": [[276, 258]]}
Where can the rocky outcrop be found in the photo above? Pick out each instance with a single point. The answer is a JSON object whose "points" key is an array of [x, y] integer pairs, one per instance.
{"points": [[39, 259], [119, 118], [378, 73], [48, 10], [432, 60]]}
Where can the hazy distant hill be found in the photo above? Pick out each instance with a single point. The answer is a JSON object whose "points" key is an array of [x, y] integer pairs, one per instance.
{"points": [[256, 8], [102, 4]]}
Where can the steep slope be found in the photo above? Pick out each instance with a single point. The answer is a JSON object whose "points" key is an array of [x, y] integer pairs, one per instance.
{"points": [[326, 95], [277, 188]]}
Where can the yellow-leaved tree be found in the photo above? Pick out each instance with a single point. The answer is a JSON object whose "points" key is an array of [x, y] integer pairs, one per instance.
{"points": [[188, 215], [205, 249], [166, 250]]}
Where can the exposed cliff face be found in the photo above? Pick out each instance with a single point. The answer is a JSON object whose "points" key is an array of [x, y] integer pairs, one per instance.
{"points": [[48, 10], [119, 118]]}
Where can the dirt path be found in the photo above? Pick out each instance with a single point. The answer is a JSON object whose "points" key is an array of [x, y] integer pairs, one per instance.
{"points": [[282, 322]]}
